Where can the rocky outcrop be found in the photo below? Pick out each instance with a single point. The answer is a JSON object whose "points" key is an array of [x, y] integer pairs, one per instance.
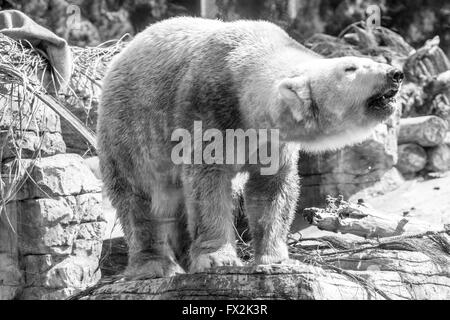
{"points": [[104, 20], [31, 143], [411, 158], [426, 112], [58, 228], [427, 131], [11, 281], [390, 273]]}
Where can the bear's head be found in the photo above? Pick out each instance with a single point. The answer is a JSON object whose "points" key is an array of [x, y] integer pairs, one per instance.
{"points": [[329, 103]]}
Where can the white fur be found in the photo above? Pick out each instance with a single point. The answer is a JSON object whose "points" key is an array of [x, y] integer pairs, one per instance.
{"points": [[336, 142]]}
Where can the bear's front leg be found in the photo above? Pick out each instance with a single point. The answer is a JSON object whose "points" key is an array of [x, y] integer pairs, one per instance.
{"points": [[270, 205], [210, 220]]}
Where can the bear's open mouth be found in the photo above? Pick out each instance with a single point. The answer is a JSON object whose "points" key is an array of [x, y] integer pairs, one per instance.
{"points": [[381, 103], [383, 99]]}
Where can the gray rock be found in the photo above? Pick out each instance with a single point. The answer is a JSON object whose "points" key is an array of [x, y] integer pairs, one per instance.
{"points": [[35, 266], [411, 158], [42, 239], [87, 248], [40, 293], [10, 276], [91, 231], [75, 272], [29, 144], [46, 225], [59, 175], [27, 115], [52, 225], [94, 165], [48, 212], [89, 207], [439, 158], [427, 131], [8, 229], [390, 274]]}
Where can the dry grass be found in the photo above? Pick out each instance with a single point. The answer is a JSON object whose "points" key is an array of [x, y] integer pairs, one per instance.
{"points": [[84, 88], [19, 66]]}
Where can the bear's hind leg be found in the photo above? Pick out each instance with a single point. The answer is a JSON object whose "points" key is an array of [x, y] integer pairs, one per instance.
{"points": [[150, 227], [210, 221]]}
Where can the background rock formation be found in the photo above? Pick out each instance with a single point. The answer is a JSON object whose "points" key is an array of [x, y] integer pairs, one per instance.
{"points": [[102, 20]]}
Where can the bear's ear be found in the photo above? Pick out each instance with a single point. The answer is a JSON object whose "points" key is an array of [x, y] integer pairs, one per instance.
{"points": [[296, 93]]}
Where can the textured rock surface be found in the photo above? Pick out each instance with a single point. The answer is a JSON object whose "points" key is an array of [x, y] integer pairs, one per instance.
{"points": [[411, 158], [29, 144], [447, 139], [58, 229], [52, 225], [10, 276], [387, 272], [427, 131], [439, 158], [29, 115], [10, 273], [59, 175], [47, 276]]}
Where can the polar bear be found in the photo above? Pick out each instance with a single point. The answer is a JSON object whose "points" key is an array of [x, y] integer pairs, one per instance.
{"points": [[224, 75]]}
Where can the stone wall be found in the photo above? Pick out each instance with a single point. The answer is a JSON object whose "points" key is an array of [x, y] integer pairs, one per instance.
{"points": [[51, 223]]}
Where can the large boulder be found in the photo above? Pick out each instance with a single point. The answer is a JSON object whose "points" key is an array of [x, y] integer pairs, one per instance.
{"points": [[10, 273], [27, 114], [55, 228], [59, 175], [371, 275], [28, 144]]}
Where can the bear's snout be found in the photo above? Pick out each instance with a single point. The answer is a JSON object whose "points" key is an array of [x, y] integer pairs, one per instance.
{"points": [[395, 75]]}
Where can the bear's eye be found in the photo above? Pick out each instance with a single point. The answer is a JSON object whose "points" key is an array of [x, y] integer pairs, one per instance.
{"points": [[350, 69]]}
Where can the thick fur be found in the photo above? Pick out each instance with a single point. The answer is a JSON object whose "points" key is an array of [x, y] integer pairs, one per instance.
{"points": [[245, 74]]}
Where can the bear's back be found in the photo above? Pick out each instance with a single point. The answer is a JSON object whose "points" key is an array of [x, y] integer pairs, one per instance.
{"points": [[148, 72], [182, 59], [165, 49]]}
